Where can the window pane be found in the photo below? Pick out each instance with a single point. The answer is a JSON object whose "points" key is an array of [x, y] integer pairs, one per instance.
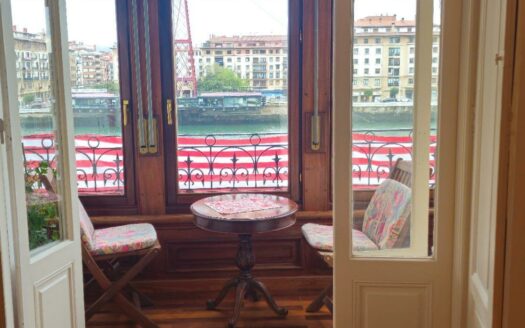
{"points": [[95, 90], [231, 84], [35, 70], [384, 121]]}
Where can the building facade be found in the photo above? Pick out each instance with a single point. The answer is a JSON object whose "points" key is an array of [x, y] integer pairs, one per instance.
{"points": [[32, 66], [261, 60], [91, 67], [384, 59]]}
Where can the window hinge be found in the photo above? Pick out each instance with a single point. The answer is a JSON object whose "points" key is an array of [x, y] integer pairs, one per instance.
{"points": [[301, 36], [300, 178], [2, 129]]}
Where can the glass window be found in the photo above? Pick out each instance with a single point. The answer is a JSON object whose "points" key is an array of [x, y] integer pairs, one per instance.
{"points": [[97, 97], [39, 118], [382, 136], [232, 132]]}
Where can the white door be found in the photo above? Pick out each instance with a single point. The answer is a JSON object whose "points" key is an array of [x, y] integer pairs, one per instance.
{"points": [[413, 78], [47, 266], [486, 159]]}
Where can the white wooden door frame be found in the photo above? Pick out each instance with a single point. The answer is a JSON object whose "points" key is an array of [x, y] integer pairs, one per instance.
{"points": [[37, 273], [466, 43], [5, 209]]}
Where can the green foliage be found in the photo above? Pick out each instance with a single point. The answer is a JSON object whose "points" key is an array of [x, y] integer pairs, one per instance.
{"points": [[27, 99], [393, 92], [111, 87], [42, 212], [368, 93], [38, 217], [221, 79]]}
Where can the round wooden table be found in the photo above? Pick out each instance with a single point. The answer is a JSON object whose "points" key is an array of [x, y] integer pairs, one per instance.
{"points": [[252, 215]]}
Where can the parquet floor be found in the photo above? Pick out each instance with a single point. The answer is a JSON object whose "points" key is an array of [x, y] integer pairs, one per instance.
{"points": [[188, 311]]}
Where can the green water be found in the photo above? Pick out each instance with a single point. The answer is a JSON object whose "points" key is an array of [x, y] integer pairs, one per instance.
{"points": [[32, 126]]}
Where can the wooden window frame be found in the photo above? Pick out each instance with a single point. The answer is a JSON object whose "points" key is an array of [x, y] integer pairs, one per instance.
{"points": [[178, 202]]}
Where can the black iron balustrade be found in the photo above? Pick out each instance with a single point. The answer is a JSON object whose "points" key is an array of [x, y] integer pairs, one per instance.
{"points": [[105, 168], [213, 164], [380, 155]]}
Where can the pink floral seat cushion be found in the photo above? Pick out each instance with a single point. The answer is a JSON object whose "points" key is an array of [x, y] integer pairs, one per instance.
{"points": [[321, 237], [387, 214], [125, 238]]}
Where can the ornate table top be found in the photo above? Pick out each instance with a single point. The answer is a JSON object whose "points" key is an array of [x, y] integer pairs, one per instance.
{"points": [[275, 213]]}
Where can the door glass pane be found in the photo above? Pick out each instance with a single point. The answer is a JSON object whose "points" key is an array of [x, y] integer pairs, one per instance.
{"points": [[388, 120], [231, 84], [95, 91], [35, 71]]}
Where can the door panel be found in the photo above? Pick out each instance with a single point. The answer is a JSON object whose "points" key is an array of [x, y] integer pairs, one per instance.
{"points": [[486, 157], [46, 236], [400, 287]]}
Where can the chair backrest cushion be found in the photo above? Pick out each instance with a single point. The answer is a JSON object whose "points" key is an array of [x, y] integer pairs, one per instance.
{"points": [[87, 230], [387, 213]]}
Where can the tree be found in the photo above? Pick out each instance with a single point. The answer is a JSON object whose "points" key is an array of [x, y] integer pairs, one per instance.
{"points": [[27, 99], [222, 79], [368, 93], [393, 92], [110, 86]]}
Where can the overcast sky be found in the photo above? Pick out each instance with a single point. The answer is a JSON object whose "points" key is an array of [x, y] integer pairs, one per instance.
{"points": [[93, 21]]}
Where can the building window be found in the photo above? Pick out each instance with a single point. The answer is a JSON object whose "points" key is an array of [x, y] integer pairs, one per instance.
{"points": [[377, 82], [395, 39], [365, 40], [378, 51], [367, 61], [394, 51], [378, 40], [378, 60], [366, 71], [365, 82], [367, 51], [378, 71], [356, 51]]}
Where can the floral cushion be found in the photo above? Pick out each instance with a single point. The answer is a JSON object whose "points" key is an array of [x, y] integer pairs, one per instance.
{"points": [[387, 213], [321, 237], [362, 242], [125, 238], [86, 227]]}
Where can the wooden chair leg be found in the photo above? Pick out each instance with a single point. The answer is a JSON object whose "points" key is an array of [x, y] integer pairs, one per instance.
{"points": [[318, 302], [117, 286], [113, 290], [329, 303]]}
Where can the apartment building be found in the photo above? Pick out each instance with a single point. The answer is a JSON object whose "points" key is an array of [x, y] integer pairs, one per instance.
{"points": [[32, 66], [262, 59], [91, 67], [384, 58]]}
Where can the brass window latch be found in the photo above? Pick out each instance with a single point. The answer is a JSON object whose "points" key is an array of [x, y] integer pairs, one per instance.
{"points": [[2, 131]]}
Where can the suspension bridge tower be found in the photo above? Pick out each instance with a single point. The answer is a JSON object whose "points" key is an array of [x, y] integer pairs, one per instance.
{"points": [[185, 77]]}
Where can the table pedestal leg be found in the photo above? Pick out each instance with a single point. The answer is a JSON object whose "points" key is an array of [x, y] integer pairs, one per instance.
{"points": [[245, 284]]}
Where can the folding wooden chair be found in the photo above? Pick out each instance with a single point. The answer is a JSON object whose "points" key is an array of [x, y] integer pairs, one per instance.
{"points": [[101, 251]]}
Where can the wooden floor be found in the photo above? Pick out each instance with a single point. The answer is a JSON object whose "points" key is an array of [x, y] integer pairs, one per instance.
{"points": [[188, 311]]}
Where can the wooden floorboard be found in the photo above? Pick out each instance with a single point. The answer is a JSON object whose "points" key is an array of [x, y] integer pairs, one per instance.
{"points": [[189, 311]]}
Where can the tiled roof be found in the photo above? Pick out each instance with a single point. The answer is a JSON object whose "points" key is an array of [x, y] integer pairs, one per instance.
{"points": [[383, 21]]}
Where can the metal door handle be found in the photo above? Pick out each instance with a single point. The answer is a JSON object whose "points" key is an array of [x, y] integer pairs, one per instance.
{"points": [[169, 110], [125, 104]]}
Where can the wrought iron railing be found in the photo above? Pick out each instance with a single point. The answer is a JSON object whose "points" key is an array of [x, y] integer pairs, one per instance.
{"points": [[233, 161], [376, 151], [100, 165], [226, 161]]}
